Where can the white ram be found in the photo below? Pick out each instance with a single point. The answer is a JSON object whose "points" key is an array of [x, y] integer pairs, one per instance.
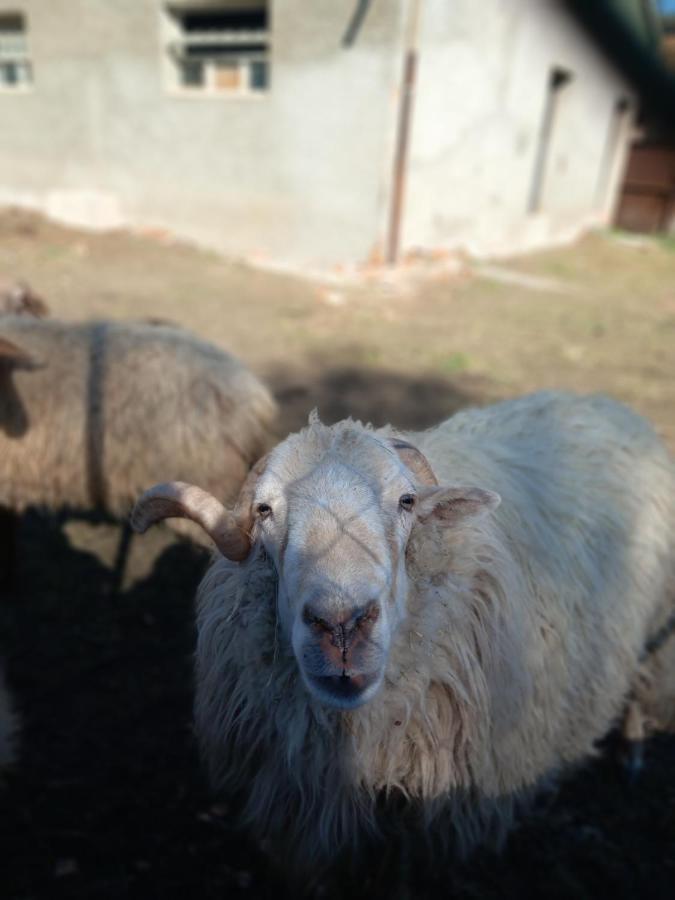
{"points": [[386, 630]]}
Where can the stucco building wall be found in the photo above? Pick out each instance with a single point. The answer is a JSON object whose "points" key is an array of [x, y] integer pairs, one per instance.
{"points": [[481, 94], [302, 173]]}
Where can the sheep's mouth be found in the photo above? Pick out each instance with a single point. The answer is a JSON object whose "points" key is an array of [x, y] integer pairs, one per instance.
{"points": [[344, 691]]}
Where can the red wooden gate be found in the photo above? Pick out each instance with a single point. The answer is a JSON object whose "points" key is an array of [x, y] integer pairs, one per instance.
{"points": [[647, 200]]}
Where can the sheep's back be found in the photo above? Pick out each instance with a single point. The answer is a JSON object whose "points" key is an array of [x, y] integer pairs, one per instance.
{"points": [[196, 413], [588, 518], [114, 407]]}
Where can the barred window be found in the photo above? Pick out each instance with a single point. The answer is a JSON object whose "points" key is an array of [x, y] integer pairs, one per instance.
{"points": [[15, 67], [219, 48]]}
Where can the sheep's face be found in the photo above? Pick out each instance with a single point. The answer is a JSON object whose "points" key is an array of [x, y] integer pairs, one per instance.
{"points": [[336, 532], [334, 510]]}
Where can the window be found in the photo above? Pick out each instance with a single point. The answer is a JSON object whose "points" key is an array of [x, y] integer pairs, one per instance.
{"points": [[15, 67], [219, 47], [558, 85]]}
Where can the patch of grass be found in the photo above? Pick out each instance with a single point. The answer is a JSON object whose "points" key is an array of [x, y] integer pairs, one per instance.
{"points": [[352, 354], [667, 241], [559, 267], [294, 312], [456, 362], [371, 355]]}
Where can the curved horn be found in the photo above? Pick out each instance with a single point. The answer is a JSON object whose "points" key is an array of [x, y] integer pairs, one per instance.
{"points": [[176, 499], [415, 460]]}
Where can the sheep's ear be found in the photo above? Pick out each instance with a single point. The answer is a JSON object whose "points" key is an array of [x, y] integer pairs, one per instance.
{"points": [[14, 357], [450, 505]]}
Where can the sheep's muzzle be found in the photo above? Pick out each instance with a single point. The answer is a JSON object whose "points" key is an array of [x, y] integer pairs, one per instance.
{"points": [[343, 690], [340, 659]]}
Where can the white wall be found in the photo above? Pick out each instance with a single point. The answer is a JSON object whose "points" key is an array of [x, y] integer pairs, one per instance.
{"points": [[303, 173], [481, 90], [297, 174]]}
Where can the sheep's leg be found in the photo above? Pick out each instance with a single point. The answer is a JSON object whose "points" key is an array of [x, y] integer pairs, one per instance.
{"points": [[121, 557], [634, 733]]}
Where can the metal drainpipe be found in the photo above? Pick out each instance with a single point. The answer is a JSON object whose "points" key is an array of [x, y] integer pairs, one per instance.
{"points": [[403, 132]]}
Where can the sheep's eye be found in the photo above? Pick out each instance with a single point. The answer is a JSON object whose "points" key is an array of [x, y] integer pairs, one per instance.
{"points": [[407, 501], [264, 510]]}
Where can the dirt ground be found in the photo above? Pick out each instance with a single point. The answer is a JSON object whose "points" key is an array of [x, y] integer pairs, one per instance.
{"points": [[109, 800], [409, 348]]}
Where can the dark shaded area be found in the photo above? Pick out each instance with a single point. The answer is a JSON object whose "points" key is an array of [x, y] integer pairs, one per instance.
{"points": [[8, 526], [377, 396], [13, 414], [109, 800], [222, 20], [638, 61]]}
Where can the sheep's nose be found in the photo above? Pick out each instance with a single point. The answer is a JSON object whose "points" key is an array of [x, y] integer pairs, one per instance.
{"points": [[341, 627], [341, 661]]}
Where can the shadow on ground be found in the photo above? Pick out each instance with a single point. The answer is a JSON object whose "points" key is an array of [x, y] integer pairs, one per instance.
{"points": [[378, 396]]}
